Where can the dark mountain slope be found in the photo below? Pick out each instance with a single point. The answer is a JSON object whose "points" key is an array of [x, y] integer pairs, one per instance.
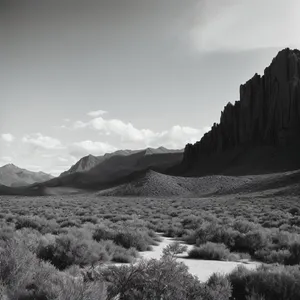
{"points": [[258, 134], [115, 170], [90, 161]]}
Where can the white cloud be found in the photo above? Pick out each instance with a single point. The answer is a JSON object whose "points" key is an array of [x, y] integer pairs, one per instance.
{"points": [[89, 147], [97, 113], [39, 140], [79, 124], [7, 137], [126, 134], [6, 159], [62, 159], [245, 25]]}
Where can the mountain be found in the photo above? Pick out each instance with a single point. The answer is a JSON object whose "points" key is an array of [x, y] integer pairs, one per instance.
{"points": [[89, 162], [84, 164], [258, 134], [11, 175], [112, 171]]}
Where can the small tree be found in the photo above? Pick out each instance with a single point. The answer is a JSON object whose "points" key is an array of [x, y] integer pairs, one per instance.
{"points": [[174, 249]]}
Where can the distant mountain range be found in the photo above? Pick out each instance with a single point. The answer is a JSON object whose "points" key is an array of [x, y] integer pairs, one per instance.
{"points": [[13, 176], [95, 173], [90, 161], [105, 171]]}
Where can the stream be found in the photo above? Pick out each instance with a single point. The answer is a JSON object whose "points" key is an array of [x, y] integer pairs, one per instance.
{"points": [[201, 268]]}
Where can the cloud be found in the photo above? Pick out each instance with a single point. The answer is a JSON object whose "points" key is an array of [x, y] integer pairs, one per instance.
{"points": [[239, 25], [7, 137], [39, 140], [126, 134], [97, 113], [89, 147], [177, 137], [6, 159], [62, 159]]}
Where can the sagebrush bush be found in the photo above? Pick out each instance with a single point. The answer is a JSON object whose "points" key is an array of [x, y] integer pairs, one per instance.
{"points": [[210, 251], [130, 239], [271, 283], [68, 249], [162, 279]]}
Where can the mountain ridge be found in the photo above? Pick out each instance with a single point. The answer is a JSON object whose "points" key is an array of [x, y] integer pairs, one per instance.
{"points": [[90, 161], [267, 116]]}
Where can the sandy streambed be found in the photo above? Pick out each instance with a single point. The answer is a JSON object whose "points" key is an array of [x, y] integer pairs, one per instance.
{"points": [[201, 268]]}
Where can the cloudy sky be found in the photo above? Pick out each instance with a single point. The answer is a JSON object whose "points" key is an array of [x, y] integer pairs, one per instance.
{"points": [[81, 77]]}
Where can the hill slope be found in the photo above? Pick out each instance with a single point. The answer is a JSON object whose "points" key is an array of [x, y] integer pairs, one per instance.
{"points": [[153, 184], [11, 175]]}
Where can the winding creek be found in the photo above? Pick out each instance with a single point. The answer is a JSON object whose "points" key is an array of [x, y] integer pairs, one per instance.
{"points": [[201, 268]]}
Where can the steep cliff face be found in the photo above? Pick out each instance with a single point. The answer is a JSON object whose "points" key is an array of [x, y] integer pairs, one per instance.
{"points": [[267, 115]]}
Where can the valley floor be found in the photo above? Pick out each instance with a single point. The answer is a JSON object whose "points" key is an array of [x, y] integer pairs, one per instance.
{"points": [[47, 240]]}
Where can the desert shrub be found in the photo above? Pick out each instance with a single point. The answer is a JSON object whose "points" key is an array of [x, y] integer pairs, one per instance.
{"points": [[23, 275], [294, 211], [70, 223], [173, 231], [217, 287], [162, 279], [294, 258], [174, 249], [273, 256], [244, 226], [191, 222], [69, 249], [6, 234], [37, 223], [210, 251], [89, 219], [251, 241], [280, 283], [71, 289], [130, 239], [122, 255], [17, 264], [154, 279], [103, 233]]}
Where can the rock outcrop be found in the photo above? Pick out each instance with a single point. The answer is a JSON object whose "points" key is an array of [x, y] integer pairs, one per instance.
{"points": [[267, 115]]}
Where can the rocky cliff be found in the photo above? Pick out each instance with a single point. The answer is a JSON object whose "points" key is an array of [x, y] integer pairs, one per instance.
{"points": [[267, 116]]}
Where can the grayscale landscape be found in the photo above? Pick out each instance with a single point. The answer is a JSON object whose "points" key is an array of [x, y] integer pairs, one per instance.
{"points": [[97, 206]]}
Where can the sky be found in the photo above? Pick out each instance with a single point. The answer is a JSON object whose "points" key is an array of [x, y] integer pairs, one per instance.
{"points": [[91, 77]]}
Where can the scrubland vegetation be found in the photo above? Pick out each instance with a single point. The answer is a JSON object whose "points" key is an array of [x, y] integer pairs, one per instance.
{"points": [[54, 247]]}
